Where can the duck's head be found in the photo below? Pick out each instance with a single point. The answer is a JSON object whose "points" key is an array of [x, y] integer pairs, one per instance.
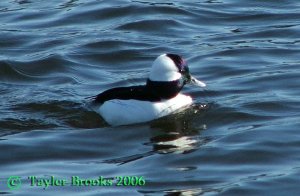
{"points": [[172, 67]]}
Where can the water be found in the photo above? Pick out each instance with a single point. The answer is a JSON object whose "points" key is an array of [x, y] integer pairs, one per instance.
{"points": [[241, 137]]}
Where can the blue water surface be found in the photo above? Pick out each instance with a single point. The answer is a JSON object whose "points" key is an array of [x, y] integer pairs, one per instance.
{"points": [[240, 137]]}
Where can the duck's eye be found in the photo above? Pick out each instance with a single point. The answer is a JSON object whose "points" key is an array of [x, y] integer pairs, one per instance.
{"points": [[184, 69], [186, 74]]}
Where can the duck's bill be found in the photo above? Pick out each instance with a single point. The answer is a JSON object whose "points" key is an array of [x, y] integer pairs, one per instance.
{"points": [[197, 82]]}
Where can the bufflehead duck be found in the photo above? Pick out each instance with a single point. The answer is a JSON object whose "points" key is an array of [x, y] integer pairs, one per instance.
{"points": [[159, 97]]}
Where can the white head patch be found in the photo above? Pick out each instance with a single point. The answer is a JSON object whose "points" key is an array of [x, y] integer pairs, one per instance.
{"points": [[164, 69]]}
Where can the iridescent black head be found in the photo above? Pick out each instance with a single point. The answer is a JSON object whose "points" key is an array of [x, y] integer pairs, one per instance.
{"points": [[182, 67]]}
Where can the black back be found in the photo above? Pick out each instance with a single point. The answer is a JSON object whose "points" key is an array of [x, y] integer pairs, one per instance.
{"points": [[152, 91]]}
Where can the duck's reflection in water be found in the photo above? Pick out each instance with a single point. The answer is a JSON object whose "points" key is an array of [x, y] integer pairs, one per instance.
{"points": [[179, 133]]}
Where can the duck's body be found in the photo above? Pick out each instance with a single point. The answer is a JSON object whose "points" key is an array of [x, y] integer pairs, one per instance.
{"points": [[159, 97], [123, 112]]}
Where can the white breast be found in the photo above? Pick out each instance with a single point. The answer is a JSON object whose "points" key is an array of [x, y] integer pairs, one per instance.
{"points": [[123, 112]]}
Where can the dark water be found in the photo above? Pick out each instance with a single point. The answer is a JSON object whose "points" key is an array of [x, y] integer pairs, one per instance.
{"points": [[245, 141]]}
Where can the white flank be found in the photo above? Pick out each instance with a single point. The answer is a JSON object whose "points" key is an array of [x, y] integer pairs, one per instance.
{"points": [[123, 112]]}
